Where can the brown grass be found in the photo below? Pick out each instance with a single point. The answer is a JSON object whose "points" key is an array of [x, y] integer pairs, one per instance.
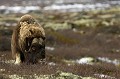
{"points": [[93, 43]]}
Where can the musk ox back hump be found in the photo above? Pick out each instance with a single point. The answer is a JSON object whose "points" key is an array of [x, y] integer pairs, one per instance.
{"points": [[27, 18], [29, 28]]}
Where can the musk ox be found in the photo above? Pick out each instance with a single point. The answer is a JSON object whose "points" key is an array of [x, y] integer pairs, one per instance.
{"points": [[28, 41]]}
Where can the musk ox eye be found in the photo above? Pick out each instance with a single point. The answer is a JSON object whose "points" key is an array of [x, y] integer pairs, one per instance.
{"points": [[43, 38], [33, 48]]}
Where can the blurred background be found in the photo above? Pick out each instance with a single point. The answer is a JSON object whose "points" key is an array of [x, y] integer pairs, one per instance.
{"points": [[80, 16], [26, 6], [75, 29]]}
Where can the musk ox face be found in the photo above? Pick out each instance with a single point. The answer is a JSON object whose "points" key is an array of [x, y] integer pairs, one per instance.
{"points": [[36, 51]]}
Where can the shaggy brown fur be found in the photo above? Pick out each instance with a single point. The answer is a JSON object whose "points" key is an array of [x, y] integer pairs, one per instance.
{"points": [[28, 41]]}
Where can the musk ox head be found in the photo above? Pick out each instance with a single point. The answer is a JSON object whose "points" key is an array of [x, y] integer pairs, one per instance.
{"points": [[36, 50]]}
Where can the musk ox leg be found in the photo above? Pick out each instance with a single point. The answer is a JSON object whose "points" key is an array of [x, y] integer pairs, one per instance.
{"points": [[17, 59]]}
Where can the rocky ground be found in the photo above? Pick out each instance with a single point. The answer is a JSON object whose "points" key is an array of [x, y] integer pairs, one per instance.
{"points": [[82, 45]]}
